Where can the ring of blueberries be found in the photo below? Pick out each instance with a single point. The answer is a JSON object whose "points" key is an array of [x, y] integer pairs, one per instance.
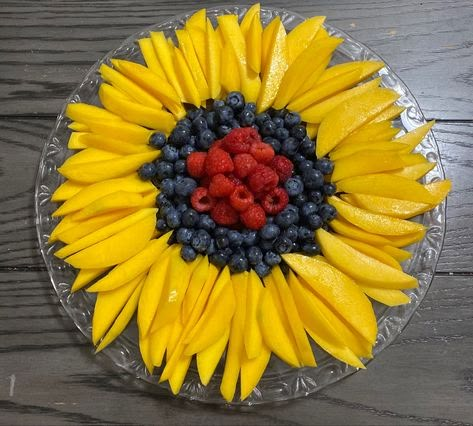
{"points": [[240, 187]]}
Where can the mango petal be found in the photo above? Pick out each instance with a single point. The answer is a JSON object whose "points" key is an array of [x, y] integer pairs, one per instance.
{"points": [[208, 359]]}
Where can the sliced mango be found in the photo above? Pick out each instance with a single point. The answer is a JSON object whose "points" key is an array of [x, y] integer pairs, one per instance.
{"points": [[85, 276], [439, 189], [370, 132], [415, 171], [415, 137], [208, 359], [251, 13], [390, 113], [78, 127], [347, 150], [406, 240], [229, 75], [348, 230], [254, 44], [386, 296], [252, 370], [266, 37], [150, 57], [186, 79], [85, 113], [67, 190], [399, 254], [92, 140], [121, 131], [301, 36], [197, 281], [158, 342], [212, 56], [366, 69], [252, 338]]}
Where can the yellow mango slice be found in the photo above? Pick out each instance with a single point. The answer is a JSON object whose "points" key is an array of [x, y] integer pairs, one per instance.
{"points": [[415, 137], [198, 36], [196, 284], [85, 276], [374, 222], [89, 155], [366, 69], [176, 333], [254, 43], [158, 342], [179, 374], [275, 69], [338, 290], [149, 55], [186, 79], [361, 267], [399, 254], [85, 113], [355, 112], [247, 20], [301, 36], [96, 171], [303, 68], [253, 339], [229, 75], [117, 248], [145, 351], [66, 190], [121, 131], [102, 142], [386, 296], [386, 185], [208, 359], [348, 230], [75, 142], [134, 266], [317, 112], [134, 112], [108, 305], [312, 130], [197, 19], [349, 150], [416, 171], [212, 56], [390, 113], [252, 370], [439, 189], [413, 159], [78, 127], [321, 34], [406, 240], [370, 132], [401, 209], [266, 37], [122, 320]]}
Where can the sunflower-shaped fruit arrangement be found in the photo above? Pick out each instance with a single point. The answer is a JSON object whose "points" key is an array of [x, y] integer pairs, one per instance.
{"points": [[242, 198]]}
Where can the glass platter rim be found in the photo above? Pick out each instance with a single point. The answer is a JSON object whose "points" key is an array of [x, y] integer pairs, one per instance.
{"points": [[303, 385]]}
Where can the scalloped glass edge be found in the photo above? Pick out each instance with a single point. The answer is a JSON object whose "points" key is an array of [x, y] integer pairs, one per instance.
{"points": [[280, 382]]}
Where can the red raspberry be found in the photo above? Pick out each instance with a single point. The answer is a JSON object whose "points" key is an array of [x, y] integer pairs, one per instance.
{"points": [[216, 144], [253, 217], [196, 164], [244, 165], [201, 200], [275, 201], [239, 140], [221, 186], [262, 152], [241, 198], [205, 182], [263, 179], [283, 167], [224, 214], [218, 161], [234, 179]]}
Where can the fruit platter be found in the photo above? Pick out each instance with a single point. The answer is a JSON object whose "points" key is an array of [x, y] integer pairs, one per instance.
{"points": [[241, 205]]}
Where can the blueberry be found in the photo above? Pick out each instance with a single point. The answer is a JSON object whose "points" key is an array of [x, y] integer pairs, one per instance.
{"points": [[182, 207], [294, 186], [292, 119], [185, 122], [205, 139], [262, 269], [249, 237], [147, 171], [324, 165], [206, 222], [275, 144], [255, 255], [235, 124], [218, 103], [313, 179], [167, 187], [194, 113], [299, 200], [223, 130], [220, 231], [161, 225], [164, 170], [212, 248], [330, 188], [278, 122], [186, 150], [327, 212], [267, 128], [211, 120], [179, 136], [219, 258], [262, 118], [307, 147], [311, 249], [314, 221], [272, 258], [200, 240], [235, 101], [281, 133], [180, 167], [291, 233], [316, 197], [235, 238], [188, 253], [222, 242], [190, 218], [299, 132], [290, 146], [157, 140], [238, 263], [185, 186], [170, 153], [162, 200], [269, 231], [173, 218], [250, 106], [286, 218], [309, 208], [247, 118], [283, 245], [224, 114], [199, 124], [184, 235], [298, 158], [304, 234], [293, 208], [305, 165]]}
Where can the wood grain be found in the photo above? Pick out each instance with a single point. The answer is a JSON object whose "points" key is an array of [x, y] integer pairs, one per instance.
{"points": [[432, 355], [48, 46]]}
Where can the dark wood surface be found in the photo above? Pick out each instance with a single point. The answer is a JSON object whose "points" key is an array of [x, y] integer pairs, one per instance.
{"points": [[48, 373]]}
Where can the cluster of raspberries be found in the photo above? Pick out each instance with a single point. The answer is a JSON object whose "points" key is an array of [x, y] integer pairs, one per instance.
{"points": [[240, 187]]}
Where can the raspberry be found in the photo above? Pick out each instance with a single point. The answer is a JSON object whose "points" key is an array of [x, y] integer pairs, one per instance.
{"points": [[253, 217], [205, 182], [218, 161], [239, 140], [221, 186], [234, 179], [224, 214], [216, 144], [275, 201], [196, 164], [282, 166], [244, 165], [201, 200], [263, 179], [262, 152], [241, 198]]}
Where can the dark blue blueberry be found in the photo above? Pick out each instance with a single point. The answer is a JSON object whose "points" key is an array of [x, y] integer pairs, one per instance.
{"points": [[280, 113], [272, 258], [290, 146], [267, 128], [286, 218], [235, 124], [223, 130], [173, 218], [270, 231], [162, 199], [180, 167], [192, 141], [222, 242], [206, 222], [238, 263], [199, 124], [205, 139], [249, 237], [308, 147], [218, 103], [275, 144], [170, 153], [292, 119], [250, 106], [184, 235], [314, 221], [299, 200], [313, 179], [212, 248], [190, 218], [294, 186], [179, 136], [283, 245], [164, 170], [224, 114], [256, 127], [327, 212], [147, 171], [201, 240], [270, 219], [247, 118], [262, 269], [235, 238], [309, 208], [262, 118], [157, 140], [291, 233], [211, 120], [182, 207], [330, 188], [292, 207], [278, 122], [236, 101], [265, 244], [194, 113], [185, 186], [161, 225], [220, 231], [281, 133], [304, 234], [219, 258], [185, 122], [311, 249], [186, 150], [295, 247], [316, 197], [188, 253], [299, 132], [324, 165], [305, 165], [167, 187], [255, 255], [298, 158]]}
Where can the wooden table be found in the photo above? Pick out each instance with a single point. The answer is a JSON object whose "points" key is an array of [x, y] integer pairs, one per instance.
{"points": [[48, 373]]}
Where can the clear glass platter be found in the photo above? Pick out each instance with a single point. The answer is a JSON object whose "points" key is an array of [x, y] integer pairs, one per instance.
{"points": [[280, 382]]}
